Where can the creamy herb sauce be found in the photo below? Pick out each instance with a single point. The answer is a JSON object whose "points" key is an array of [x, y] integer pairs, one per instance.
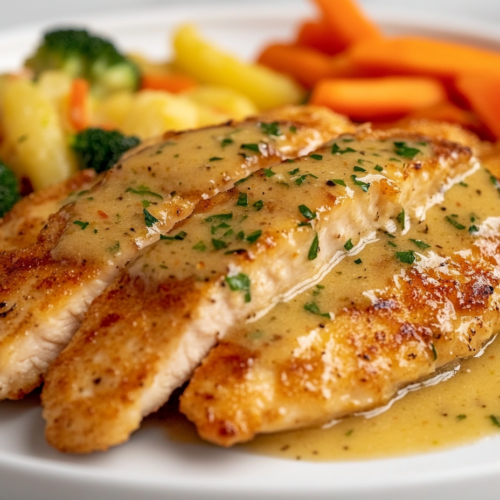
{"points": [[148, 192], [461, 409]]}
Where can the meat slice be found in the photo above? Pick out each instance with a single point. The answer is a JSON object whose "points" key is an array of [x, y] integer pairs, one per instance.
{"points": [[46, 289], [300, 368], [274, 235], [22, 225]]}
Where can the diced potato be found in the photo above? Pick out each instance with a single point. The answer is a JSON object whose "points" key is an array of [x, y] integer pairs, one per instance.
{"points": [[34, 135], [206, 63], [223, 100], [153, 112], [111, 111], [209, 116], [56, 86]]}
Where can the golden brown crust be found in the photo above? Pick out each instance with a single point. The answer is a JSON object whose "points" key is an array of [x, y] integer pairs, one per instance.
{"points": [[21, 226]]}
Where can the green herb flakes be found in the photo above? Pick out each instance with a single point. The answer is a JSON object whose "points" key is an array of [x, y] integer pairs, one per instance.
{"points": [[268, 172], [258, 205], [495, 420], [378, 168], [149, 219], [454, 223], [253, 237], [178, 237], [218, 217], [473, 229], [314, 249], [294, 171], [363, 185], [83, 225], [434, 352], [406, 257], [349, 245], [358, 261], [240, 283], [144, 191], [200, 246], [293, 129], [307, 212], [270, 128], [316, 156], [219, 244], [241, 181], [336, 150], [420, 244], [242, 200], [313, 308], [215, 158], [226, 142], [359, 169], [251, 147], [333, 182], [401, 218], [402, 149]]}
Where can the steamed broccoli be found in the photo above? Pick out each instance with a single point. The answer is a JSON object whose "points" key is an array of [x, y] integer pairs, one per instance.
{"points": [[9, 189], [101, 149], [83, 55]]}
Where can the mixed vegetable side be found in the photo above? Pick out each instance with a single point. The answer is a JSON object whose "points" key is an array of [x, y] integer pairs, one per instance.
{"points": [[80, 103]]}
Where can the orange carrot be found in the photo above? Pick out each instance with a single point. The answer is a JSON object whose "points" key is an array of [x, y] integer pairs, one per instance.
{"points": [[347, 22], [422, 56], [483, 95], [79, 115], [378, 98], [318, 35], [448, 112], [306, 65], [169, 83]]}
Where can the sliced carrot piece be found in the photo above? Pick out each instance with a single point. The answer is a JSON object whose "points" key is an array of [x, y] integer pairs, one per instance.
{"points": [[378, 98], [422, 56], [483, 95], [79, 115], [169, 83], [318, 35], [306, 65], [348, 24], [448, 112]]}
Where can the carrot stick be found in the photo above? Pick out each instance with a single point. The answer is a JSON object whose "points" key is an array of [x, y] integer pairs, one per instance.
{"points": [[425, 57], [306, 65], [347, 22], [79, 115], [169, 83], [483, 95], [377, 98], [318, 35]]}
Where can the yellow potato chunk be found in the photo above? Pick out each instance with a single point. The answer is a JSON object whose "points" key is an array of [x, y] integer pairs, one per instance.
{"points": [[265, 88], [112, 110], [153, 112], [223, 100], [34, 136]]}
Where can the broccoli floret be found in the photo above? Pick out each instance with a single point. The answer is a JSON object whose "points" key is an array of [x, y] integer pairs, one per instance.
{"points": [[84, 55], [9, 189], [101, 149]]}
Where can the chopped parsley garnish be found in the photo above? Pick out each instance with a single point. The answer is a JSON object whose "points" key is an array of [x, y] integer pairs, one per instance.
{"points": [[421, 244], [241, 181], [463, 184], [251, 147], [454, 222], [253, 237], [349, 245], [316, 156], [340, 182], [115, 248], [378, 168], [462, 416], [307, 212], [240, 283], [200, 246], [268, 172], [302, 178], [294, 171], [406, 257], [317, 290], [363, 185], [359, 169], [80, 223], [213, 218], [219, 244], [293, 129], [226, 142], [222, 225], [336, 149], [434, 352], [304, 224], [314, 249], [313, 308], [495, 420], [473, 229], [144, 191], [178, 237], [402, 149], [258, 205], [358, 261], [401, 218], [391, 244], [149, 219], [215, 158], [270, 128], [242, 200]]}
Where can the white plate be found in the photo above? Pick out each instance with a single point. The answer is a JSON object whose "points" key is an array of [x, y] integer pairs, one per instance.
{"points": [[151, 466]]}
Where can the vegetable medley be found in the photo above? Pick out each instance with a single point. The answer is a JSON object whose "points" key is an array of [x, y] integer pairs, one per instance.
{"points": [[80, 103]]}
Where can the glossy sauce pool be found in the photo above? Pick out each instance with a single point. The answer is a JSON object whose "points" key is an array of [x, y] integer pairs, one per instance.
{"points": [[461, 409]]}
